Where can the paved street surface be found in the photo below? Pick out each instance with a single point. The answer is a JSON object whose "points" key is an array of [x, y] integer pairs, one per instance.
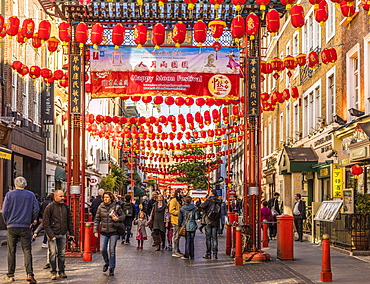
{"points": [[149, 266]]}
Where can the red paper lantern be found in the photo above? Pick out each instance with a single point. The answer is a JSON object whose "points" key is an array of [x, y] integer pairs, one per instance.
{"points": [[46, 73], [35, 72], [140, 34], [58, 74], [252, 23], [12, 26], [333, 55], [158, 100], [216, 3], [200, 32], [347, 9], [315, 3], [294, 92], [272, 21], [237, 28], [189, 101], [301, 59], [200, 102], [169, 101], [268, 68], [285, 94], [210, 102], [277, 64], [217, 27], [191, 3], [238, 4], [158, 35], [321, 12], [265, 96], [297, 16], [20, 38], [97, 33], [179, 101], [263, 4], [53, 43], [118, 35], [179, 33], [65, 32], [82, 33], [313, 59], [23, 70], [3, 33], [290, 63], [146, 99], [63, 82], [287, 3], [2, 22], [357, 170], [28, 28], [44, 30], [325, 56]]}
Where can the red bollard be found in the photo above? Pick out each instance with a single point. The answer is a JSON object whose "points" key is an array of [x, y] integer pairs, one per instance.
{"points": [[228, 239], [89, 217], [265, 240], [87, 255], [232, 217], [238, 260], [326, 275]]}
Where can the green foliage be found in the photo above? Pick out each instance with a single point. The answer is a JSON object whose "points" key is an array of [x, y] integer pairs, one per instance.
{"points": [[195, 171], [362, 203], [108, 182], [116, 180], [151, 182]]}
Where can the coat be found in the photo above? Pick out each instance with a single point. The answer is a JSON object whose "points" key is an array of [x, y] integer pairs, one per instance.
{"points": [[157, 217], [105, 221], [174, 209], [57, 220], [206, 206], [302, 209], [266, 214], [274, 203], [185, 210], [141, 224]]}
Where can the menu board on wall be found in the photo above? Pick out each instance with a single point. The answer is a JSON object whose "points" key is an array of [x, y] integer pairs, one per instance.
{"points": [[328, 210], [348, 201]]}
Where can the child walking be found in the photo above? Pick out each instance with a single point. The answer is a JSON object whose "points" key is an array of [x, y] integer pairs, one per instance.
{"points": [[141, 235]]}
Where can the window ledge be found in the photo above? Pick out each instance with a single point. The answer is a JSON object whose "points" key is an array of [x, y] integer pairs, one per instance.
{"points": [[345, 21]]}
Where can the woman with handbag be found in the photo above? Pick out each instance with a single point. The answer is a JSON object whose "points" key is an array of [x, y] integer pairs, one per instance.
{"points": [[187, 217], [158, 220], [109, 217]]}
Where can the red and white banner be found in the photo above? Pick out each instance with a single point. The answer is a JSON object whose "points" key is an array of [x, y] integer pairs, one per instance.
{"points": [[166, 72]]}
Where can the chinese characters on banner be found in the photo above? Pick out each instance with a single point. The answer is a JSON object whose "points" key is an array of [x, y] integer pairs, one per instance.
{"points": [[253, 86], [297, 182], [75, 83], [166, 72], [47, 105], [337, 181]]}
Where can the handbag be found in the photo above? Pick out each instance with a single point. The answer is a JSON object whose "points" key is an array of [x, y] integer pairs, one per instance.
{"points": [[274, 212], [182, 229], [120, 227]]}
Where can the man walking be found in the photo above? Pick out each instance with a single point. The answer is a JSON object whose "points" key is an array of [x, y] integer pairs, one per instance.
{"points": [[212, 209], [96, 202], [129, 210], [57, 223], [299, 213], [273, 204], [20, 211], [174, 209]]}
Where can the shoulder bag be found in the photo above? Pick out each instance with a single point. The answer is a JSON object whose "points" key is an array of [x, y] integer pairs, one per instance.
{"points": [[182, 229]]}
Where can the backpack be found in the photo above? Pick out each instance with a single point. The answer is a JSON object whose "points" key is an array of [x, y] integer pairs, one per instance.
{"points": [[214, 211], [127, 209]]}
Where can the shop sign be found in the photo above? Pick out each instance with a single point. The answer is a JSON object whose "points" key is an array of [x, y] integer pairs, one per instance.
{"points": [[270, 179], [357, 154], [348, 201], [93, 180], [297, 182], [323, 172], [337, 181]]}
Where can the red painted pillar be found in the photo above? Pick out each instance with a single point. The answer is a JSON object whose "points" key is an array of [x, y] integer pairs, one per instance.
{"points": [[87, 255], [228, 238], [265, 240], [326, 275], [238, 260]]}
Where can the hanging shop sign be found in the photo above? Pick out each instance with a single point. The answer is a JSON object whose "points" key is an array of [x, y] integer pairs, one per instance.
{"points": [[166, 72], [253, 86], [337, 177], [47, 105], [75, 82]]}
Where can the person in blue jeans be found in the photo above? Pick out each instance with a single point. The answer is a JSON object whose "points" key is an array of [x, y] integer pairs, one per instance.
{"points": [[188, 215], [212, 225], [108, 212]]}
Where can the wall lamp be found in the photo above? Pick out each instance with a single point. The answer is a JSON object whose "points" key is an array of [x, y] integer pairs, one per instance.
{"points": [[339, 120], [355, 112]]}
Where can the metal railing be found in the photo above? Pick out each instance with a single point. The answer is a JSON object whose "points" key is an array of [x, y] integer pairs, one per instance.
{"points": [[349, 231]]}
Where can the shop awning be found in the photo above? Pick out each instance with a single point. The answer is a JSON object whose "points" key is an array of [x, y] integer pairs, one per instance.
{"points": [[138, 192], [5, 153], [60, 174], [298, 159]]}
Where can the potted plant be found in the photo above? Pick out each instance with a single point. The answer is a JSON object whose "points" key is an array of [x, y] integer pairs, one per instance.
{"points": [[361, 221]]}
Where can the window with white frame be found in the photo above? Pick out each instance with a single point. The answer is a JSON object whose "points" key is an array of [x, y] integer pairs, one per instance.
{"points": [[15, 8], [25, 97], [311, 33], [281, 127], [287, 52], [330, 23], [36, 14], [282, 73], [36, 102], [287, 120], [311, 108], [296, 120], [296, 49], [330, 96], [14, 90], [353, 78]]}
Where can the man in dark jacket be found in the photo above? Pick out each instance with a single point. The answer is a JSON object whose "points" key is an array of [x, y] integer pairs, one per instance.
{"points": [[129, 210], [96, 202], [57, 223], [212, 223], [299, 213], [20, 210]]}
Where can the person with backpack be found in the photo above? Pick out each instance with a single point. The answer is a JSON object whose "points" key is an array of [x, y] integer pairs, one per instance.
{"points": [[212, 209], [129, 209]]}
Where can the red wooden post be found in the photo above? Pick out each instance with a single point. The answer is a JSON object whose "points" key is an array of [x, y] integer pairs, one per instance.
{"points": [[228, 238], [87, 255], [265, 240], [326, 275], [238, 260]]}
